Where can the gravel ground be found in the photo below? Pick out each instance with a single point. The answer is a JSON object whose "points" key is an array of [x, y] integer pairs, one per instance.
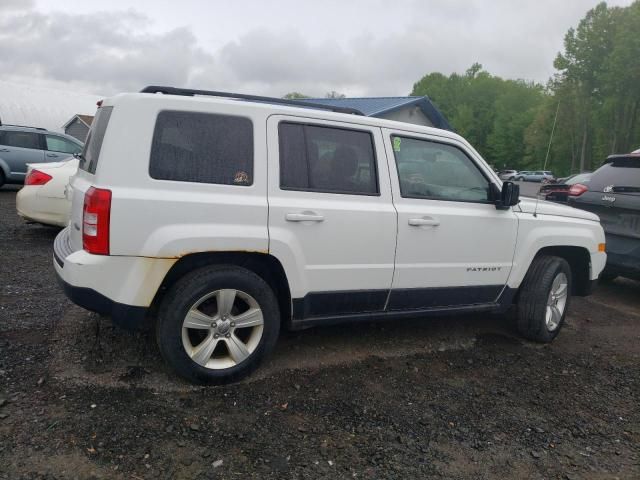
{"points": [[459, 397]]}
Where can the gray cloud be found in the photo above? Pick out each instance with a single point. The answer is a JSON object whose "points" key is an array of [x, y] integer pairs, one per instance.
{"points": [[105, 53], [114, 51]]}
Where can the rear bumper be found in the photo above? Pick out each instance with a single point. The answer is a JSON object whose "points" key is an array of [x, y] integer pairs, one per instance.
{"points": [[48, 210], [122, 287], [623, 255], [126, 316]]}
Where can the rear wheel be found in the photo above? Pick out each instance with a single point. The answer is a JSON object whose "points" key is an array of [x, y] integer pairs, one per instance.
{"points": [[544, 298], [216, 324]]}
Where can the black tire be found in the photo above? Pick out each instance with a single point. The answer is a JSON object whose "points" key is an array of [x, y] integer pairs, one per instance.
{"points": [[520, 179], [185, 293], [2, 179], [534, 293]]}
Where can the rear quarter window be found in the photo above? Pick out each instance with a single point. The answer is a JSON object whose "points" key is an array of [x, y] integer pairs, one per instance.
{"points": [[93, 144], [202, 148]]}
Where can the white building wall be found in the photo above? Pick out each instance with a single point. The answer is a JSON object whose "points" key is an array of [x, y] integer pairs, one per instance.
{"points": [[33, 106]]}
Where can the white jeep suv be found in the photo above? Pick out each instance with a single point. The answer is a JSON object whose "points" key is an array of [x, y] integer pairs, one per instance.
{"points": [[225, 217]]}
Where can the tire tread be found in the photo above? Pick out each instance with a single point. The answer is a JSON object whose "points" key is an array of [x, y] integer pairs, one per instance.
{"points": [[532, 302]]}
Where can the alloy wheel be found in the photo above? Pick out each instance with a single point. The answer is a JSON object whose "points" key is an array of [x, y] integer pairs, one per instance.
{"points": [[222, 329]]}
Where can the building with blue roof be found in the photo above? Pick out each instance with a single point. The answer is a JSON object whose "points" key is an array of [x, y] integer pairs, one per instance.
{"points": [[417, 110]]}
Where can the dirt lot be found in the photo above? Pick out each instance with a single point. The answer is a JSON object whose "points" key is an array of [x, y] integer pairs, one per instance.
{"points": [[459, 397]]}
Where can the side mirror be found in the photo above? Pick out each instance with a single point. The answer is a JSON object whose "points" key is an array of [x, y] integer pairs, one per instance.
{"points": [[508, 196]]}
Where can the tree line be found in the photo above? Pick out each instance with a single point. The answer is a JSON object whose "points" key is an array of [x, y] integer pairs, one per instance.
{"points": [[593, 99], [592, 103]]}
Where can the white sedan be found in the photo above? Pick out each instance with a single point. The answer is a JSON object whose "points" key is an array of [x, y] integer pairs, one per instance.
{"points": [[43, 198]]}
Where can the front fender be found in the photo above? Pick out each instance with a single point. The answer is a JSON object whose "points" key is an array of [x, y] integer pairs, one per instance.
{"points": [[536, 233]]}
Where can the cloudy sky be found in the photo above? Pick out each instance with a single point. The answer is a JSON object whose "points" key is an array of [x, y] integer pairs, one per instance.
{"points": [[357, 47]]}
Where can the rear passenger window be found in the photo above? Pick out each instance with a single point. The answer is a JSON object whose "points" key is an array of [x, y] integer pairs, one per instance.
{"points": [[203, 148], [21, 139], [326, 159]]}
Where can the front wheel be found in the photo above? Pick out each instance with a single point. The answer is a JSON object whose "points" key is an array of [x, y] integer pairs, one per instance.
{"points": [[544, 298], [217, 323]]}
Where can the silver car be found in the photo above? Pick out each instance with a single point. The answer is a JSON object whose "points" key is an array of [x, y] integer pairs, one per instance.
{"points": [[543, 176], [22, 145], [508, 174]]}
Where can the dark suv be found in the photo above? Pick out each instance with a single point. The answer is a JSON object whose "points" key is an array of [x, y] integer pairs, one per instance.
{"points": [[613, 193], [22, 145]]}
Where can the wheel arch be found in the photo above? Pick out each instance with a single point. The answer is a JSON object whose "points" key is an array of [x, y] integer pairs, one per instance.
{"points": [[264, 265], [579, 260]]}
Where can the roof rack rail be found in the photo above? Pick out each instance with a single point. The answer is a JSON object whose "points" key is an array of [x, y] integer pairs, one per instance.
{"points": [[21, 126], [241, 96]]}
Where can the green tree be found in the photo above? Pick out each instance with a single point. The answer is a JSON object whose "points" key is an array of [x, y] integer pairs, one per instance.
{"points": [[598, 81], [490, 112], [295, 96]]}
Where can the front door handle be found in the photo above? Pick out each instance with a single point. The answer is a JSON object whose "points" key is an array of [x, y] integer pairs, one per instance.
{"points": [[424, 222], [303, 217], [51, 155], [4, 150]]}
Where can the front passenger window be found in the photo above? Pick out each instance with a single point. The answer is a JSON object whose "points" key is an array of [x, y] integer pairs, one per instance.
{"points": [[437, 171], [62, 145]]}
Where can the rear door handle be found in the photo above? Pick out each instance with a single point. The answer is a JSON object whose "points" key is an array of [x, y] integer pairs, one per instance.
{"points": [[4, 150], [51, 155], [303, 217], [424, 222]]}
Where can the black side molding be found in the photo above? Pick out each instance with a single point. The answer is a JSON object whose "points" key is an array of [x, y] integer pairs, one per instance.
{"points": [[327, 308]]}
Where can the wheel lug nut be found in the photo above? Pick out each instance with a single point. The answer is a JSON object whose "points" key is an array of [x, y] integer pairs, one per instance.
{"points": [[216, 336], [228, 335], [233, 324]]}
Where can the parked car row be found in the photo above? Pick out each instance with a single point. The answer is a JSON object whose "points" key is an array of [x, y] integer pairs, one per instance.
{"points": [[21, 146], [613, 193], [543, 176], [220, 226], [43, 161], [559, 191]]}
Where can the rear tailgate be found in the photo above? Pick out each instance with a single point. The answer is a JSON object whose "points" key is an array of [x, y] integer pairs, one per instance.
{"points": [[619, 213], [614, 195]]}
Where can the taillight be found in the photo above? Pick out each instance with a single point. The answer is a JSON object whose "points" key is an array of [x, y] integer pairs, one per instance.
{"points": [[577, 189], [95, 221], [36, 177]]}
